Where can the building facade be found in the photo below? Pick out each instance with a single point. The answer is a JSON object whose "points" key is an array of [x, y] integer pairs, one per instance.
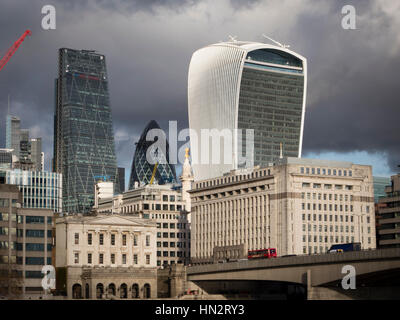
{"points": [[166, 207], [39, 189], [83, 133], [107, 256], [380, 184], [121, 179], [298, 206], [13, 126], [142, 167], [389, 215], [246, 85], [26, 243]]}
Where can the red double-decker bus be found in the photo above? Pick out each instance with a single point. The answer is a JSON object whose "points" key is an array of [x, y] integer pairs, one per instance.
{"points": [[262, 254]]}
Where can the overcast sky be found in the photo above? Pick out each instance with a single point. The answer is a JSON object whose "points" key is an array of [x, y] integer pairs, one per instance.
{"points": [[353, 100]]}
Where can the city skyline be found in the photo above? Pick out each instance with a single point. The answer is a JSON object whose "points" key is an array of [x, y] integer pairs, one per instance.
{"points": [[340, 105]]}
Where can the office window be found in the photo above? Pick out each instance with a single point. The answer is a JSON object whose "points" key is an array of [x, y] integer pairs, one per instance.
{"points": [[101, 258], [76, 258], [135, 240], [147, 259], [112, 258], [89, 258], [124, 239], [124, 258], [89, 238], [113, 239], [101, 239], [147, 240], [135, 259], [76, 238]]}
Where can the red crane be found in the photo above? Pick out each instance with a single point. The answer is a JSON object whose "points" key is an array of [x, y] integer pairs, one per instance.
{"points": [[13, 49]]}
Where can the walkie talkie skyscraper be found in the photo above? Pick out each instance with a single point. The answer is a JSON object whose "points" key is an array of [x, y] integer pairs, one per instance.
{"points": [[247, 85]]}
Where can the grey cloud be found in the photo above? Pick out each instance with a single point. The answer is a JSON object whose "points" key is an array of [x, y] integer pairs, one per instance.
{"points": [[353, 85]]}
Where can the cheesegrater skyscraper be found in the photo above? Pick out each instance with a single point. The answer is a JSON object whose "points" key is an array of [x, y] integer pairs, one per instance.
{"points": [[84, 148]]}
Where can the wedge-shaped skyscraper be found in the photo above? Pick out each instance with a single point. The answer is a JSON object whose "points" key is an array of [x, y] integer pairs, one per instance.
{"points": [[246, 85], [84, 149], [143, 167]]}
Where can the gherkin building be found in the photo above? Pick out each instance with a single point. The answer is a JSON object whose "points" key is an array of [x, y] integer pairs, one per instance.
{"points": [[142, 169], [84, 148]]}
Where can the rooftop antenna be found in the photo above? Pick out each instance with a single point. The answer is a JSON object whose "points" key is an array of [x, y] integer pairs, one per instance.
{"points": [[285, 46], [233, 38]]}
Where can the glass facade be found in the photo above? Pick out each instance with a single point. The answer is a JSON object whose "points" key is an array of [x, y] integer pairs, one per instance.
{"points": [[84, 145], [379, 187], [271, 103], [142, 170], [40, 189]]}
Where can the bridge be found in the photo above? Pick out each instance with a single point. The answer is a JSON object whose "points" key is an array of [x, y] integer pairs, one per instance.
{"points": [[312, 276]]}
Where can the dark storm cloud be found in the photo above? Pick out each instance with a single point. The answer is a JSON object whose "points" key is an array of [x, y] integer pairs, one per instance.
{"points": [[353, 88]]}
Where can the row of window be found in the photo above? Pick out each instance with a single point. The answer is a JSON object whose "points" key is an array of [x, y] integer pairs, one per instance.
{"points": [[165, 207], [237, 178], [166, 244], [327, 186], [330, 206], [171, 225], [112, 258], [112, 239], [180, 235], [346, 229], [325, 196], [172, 254], [346, 218], [329, 172]]}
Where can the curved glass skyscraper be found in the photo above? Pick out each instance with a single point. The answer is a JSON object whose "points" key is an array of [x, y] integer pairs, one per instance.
{"points": [[142, 170], [247, 85]]}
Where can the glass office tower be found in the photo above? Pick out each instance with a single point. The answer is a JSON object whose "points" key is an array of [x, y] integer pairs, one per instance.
{"points": [[247, 85], [142, 170], [84, 147], [13, 127]]}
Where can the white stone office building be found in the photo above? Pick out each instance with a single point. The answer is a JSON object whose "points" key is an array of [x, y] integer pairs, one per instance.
{"points": [[299, 206], [106, 256], [166, 207]]}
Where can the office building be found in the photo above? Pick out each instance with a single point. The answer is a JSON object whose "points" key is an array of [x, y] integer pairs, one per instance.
{"points": [[27, 152], [380, 183], [84, 145], [389, 215], [37, 156], [6, 159], [13, 126], [298, 206], [246, 85], [142, 168], [26, 242], [164, 205], [106, 256], [121, 179], [39, 189]]}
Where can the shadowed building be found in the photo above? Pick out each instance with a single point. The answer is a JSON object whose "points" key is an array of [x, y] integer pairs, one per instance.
{"points": [[142, 169], [84, 145]]}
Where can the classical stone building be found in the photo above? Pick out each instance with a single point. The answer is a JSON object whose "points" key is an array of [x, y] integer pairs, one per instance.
{"points": [[106, 256], [298, 206]]}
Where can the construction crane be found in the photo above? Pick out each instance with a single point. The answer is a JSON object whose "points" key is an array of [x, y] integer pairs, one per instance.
{"points": [[154, 173], [13, 49]]}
